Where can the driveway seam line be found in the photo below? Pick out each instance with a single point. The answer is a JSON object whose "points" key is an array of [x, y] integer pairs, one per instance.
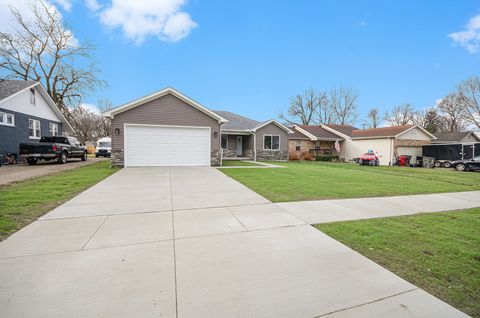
{"points": [[105, 220], [85, 250], [367, 303], [174, 244], [233, 214]]}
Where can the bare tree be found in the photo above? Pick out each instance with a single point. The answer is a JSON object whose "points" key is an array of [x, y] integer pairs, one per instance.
{"points": [[104, 123], [304, 108], [343, 102], [43, 49], [326, 114], [85, 123], [373, 118], [469, 95], [400, 115], [451, 110]]}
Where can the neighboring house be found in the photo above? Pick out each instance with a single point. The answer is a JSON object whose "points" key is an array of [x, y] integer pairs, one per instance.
{"points": [[167, 128], [455, 138], [248, 138], [27, 113], [387, 142], [315, 140]]}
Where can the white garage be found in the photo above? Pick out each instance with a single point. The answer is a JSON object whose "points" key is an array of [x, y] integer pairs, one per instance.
{"points": [[152, 145]]}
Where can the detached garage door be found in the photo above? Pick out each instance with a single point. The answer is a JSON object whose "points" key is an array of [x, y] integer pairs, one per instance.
{"points": [[166, 146]]}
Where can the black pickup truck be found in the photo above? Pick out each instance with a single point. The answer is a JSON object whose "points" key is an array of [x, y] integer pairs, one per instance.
{"points": [[53, 148]]}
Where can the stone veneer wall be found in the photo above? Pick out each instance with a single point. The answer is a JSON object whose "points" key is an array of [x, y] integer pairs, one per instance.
{"points": [[272, 154], [215, 157], [117, 158], [249, 154]]}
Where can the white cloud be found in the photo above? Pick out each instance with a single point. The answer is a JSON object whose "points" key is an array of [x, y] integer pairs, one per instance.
{"points": [[93, 108], [93, 5], [144, 18], [470, 37], [65, 4]]}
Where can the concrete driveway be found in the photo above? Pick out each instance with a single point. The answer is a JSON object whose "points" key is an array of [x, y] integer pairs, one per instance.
{"points": [[191, 242]]}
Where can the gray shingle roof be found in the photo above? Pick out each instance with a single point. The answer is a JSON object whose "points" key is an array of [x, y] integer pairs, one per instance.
{"points": [[237, 122], [10, 87], [458, 136]]}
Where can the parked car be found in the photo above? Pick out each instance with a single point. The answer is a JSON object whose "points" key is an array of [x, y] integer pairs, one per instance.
{"points": [[104, 147], [467, 165], [369, 159], [53, 148]]}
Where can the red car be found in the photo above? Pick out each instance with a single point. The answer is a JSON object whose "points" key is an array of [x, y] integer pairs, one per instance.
{"points": [[369, 159]]}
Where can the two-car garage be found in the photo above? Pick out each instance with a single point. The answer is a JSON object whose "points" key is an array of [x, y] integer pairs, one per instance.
{"points": [[165, 128], [150, 145]]}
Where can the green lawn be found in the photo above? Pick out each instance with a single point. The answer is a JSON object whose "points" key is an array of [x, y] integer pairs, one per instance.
{"points": [[237, 163], [23, 202], [438, 252], [320, 180]]}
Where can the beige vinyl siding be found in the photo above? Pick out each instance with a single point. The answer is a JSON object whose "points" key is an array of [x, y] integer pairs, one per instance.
{"points": [[415, 134], [165, 110], [272, 129]]}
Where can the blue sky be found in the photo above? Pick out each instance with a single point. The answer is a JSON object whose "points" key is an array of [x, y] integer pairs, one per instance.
{"points": [[250, 57]]}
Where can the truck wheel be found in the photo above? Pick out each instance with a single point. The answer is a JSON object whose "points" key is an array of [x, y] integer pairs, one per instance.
{"points": [[437, 164], [32, 161], [447, 164], [461, 167], [84, 156], [62, 158]]}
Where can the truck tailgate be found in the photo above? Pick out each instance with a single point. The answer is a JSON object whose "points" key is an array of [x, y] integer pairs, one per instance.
{"points": [[36, 149]]}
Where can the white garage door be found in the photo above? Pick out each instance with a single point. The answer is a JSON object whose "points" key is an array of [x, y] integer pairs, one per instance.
{"points": [[167, 146]]}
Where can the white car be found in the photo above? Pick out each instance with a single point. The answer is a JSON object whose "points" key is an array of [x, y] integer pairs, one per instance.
{"points": [[104, 147]]}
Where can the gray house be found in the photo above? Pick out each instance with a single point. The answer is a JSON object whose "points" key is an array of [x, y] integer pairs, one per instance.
{"points": [[167, 128], [27, 113]]}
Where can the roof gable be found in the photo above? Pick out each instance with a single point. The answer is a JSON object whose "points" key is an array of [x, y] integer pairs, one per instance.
{"points": [[9, 89], [273, 122], [142, 100]]}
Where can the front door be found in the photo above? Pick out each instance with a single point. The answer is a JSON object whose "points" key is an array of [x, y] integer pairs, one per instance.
{"points": [[238, 150]]}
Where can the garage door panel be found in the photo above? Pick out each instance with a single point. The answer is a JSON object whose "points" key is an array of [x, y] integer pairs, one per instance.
{"points": [[167, 146]]}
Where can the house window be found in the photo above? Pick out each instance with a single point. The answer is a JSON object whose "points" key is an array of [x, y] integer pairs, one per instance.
{"points": [[327, 152], [53, 129], [298, 145], [34, 128], [7, 119], [271, 142], [224, 141], [32, 96], [317, 144]]}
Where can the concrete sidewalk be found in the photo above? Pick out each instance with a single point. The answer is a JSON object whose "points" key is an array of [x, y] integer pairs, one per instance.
{"points": [[191, 242], [324, 211]]}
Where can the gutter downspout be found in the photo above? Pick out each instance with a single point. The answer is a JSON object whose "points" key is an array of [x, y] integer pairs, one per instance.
{"points": [[391, 151], [254, 146]]}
